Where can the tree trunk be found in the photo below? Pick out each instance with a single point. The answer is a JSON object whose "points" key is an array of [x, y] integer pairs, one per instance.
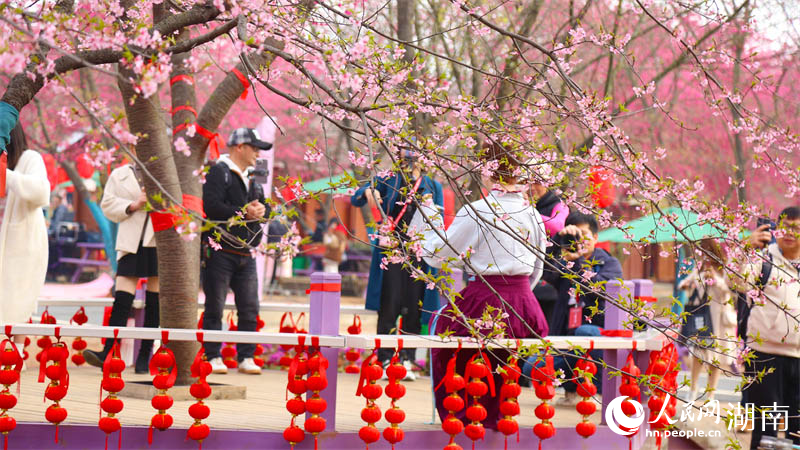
{"points": [[738, 150], [177, 263]]}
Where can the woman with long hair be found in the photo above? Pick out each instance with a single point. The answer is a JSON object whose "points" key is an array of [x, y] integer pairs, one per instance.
{"points": [[23, 233]]}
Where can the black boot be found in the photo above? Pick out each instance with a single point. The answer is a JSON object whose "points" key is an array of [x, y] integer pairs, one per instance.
{"points": [[120, 312], [143, 359], [151, 320]]}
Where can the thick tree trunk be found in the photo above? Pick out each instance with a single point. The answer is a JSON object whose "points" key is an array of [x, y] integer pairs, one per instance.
{"points": [[177, 263]]}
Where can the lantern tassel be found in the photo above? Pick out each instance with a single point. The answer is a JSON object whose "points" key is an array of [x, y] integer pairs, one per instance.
{"points": [[106, 441], [5, 441], [540, 444], [119, 442], [317, 448], [150, 434], [505, 443], [57, 431]]}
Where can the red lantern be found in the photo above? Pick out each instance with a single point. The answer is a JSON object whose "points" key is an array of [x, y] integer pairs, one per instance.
{"points": [[663, 373], [394, 415], [258, 357], [12, 363], [602, 189], [57, 373], [368, 388], [453, 403], [200, 390], [630, 388], [477, 368], [228, 352], [586, 369], [298, 367], [163, 366], [112, 383], [353, 354], [317, 364], [543, 381], [509, 405]]}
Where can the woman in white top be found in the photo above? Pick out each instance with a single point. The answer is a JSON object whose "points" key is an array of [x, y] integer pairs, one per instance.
{"points": [[23, 233], [500, 239], [124, 203]]}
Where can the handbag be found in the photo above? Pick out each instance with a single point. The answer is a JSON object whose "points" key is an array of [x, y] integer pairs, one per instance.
{"points": [[697, 327]]}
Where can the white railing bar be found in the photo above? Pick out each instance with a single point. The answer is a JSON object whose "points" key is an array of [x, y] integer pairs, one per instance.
{"points": [[641, 341], [139, 304], [175, 334], [356, 341]]}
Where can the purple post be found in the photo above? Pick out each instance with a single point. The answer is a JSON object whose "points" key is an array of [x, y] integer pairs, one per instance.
{"points": [[642, 287], [323, 319], [614, 318]]}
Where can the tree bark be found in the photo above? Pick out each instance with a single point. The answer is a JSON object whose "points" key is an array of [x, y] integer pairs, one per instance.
{"points": [[177, 263]]}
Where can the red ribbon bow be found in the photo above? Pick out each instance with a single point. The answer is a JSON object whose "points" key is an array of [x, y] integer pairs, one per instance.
{"points": [[242, 79]]}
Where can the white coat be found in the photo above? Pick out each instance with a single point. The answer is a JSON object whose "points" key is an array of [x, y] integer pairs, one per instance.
{"points": [[23, 239], [121, 190]]}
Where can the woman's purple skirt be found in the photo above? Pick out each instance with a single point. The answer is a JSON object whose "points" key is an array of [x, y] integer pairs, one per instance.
{"points": [[525, 319]]}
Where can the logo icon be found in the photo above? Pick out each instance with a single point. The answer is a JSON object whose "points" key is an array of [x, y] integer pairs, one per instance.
{"points": [[621, 423]]}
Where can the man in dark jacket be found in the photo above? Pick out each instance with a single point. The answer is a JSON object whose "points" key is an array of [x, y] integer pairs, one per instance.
{"points": [[576, 254], [238, 206], [579, 256]]}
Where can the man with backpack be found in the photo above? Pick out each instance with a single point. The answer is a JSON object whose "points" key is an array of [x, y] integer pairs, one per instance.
{"points": [[237, 205], [773, 331]]}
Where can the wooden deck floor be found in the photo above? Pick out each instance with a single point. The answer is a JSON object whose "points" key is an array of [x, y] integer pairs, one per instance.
{"points": [[264, 408]]}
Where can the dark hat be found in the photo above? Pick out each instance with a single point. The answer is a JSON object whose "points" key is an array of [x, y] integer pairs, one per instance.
{"points": [[248, 136]]}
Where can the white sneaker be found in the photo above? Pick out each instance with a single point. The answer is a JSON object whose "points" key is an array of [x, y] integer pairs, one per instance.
{"points": [[410, 375], [217, 366], [249, 366]]}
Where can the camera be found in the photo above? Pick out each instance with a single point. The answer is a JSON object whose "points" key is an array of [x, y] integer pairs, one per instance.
{"points": [[766, 221], [261, 171], [569, 242]]}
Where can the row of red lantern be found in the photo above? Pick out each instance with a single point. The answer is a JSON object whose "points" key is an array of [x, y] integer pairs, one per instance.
{"points": [[308, 362]]}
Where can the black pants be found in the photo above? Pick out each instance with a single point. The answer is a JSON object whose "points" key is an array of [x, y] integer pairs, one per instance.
{"points": [[401, 295], [238, 272], [781, 387]]}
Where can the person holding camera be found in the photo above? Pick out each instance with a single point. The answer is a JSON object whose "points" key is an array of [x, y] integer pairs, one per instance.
{"points": [[772, 327], [576, 243], [579, 255], [124, 202], [238, 206]]}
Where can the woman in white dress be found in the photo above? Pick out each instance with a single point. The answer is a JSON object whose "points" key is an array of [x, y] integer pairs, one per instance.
{"points": [[23, 234]]}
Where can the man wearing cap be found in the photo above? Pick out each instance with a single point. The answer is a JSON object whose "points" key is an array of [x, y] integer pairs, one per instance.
{"points": [[237, 207]]}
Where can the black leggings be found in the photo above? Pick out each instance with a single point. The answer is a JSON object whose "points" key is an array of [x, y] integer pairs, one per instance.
{"points": [[779, 387], [401, 295]]}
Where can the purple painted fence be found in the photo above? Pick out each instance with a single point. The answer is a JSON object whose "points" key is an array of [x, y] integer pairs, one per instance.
{"points": [[40, 436], [324, 320]]}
